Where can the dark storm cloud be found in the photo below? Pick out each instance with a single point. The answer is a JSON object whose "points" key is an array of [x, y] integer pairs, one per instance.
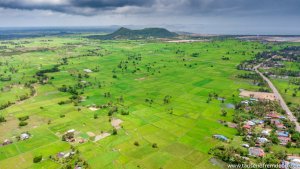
{"points": [[252, 7], [80, 7], [110, 3], [180, 7]]}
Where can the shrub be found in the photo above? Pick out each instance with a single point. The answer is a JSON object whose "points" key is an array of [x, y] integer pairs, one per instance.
{"points": [[24, 118], [37, 159], [123, 112], [23, 123], [195, 54]]}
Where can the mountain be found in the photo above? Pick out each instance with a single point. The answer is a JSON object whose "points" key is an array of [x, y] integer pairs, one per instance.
{"points": [[124, 33]]}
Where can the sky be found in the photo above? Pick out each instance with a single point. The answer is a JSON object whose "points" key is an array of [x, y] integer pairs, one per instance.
{"points": [[198, 16]]}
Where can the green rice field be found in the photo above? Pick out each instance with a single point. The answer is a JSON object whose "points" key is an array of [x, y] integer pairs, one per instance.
{"points": [[163, 88]]}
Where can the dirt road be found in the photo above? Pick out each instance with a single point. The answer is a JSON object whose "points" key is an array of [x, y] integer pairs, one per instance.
{"points": [[279, 97]]}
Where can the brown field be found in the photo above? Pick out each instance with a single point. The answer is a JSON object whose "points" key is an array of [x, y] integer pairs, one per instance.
{"points": [[258, 95]]}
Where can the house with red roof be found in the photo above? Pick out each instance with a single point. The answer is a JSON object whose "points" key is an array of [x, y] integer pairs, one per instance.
{"points": [[284, 140], [257, 152]]}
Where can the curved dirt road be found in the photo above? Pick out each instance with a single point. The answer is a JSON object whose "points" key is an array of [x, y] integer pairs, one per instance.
{"points": [[279, 97]]}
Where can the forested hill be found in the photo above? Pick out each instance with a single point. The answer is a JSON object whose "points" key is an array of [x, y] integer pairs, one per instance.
{"points": [[124, 33]]}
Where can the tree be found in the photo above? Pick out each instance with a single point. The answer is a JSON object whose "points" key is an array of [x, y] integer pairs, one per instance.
{"points": [[136, 143], [289, 145], [296, 137], [2, 119], [114, 131], [224, 113], [167, 99], [280, 154], [154, 145], [274, 138]]}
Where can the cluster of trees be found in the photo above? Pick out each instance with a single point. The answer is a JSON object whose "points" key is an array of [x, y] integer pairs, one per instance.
{"points": [[41, 74], [5, 105], [259, 57], [133, 59], [23, 121], [291, 53], [67, 136], [167, 99], [285, 72], [253, 76], [149, 101], [225, 58], [22, 97], [214, 95], [74, 160], [295, 81], [257, 80], [230, 154], [5, 79]]}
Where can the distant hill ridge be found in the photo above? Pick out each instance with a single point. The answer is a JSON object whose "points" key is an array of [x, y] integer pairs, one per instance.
{"points": [[146, 33]]}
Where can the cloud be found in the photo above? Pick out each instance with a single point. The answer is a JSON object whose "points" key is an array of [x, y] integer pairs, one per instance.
{"points": [[79, 7], [156, 7]]}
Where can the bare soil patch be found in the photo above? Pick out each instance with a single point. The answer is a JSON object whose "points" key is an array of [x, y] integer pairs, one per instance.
{"points": [[116, 123], [90, 134], [93, 108], [101, 136], [141, 79], [258, 95]]}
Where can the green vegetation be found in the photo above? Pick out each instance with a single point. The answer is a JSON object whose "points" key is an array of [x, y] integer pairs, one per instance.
{"points": [[120, 103]]}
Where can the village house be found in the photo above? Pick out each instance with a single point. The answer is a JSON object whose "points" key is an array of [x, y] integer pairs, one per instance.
{"points": [[7, 142], [81, 140], [295, 163], [69, 136], [250, 123], [220, 137], [247, 127], [71, 131], [272, 115], [256, 152], [257, 121], [253, 100], [266, 132], [24, 136], [246, 145], [262, 140], [60, 155], [282, 133], [65, 154], [278, 123], [292, 162], [87, 70], [284, 140]]}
